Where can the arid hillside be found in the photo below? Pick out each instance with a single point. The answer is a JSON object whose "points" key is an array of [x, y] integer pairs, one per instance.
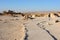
{"points": [[32, 14]]}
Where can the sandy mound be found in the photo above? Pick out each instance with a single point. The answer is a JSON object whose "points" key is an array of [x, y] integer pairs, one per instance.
{"points": [[11, 30]]}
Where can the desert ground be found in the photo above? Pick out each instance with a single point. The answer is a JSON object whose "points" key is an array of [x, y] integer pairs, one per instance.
{"points": [[27, 28]]}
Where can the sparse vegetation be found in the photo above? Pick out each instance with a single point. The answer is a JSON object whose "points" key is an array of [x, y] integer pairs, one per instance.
{"points": [[28, 15], [11, 13]]}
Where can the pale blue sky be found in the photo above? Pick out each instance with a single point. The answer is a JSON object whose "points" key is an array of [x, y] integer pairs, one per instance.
{"points": [[30, 5]]}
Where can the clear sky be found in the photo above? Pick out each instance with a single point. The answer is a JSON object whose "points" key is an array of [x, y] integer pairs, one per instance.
{"points": [[29, 5]]}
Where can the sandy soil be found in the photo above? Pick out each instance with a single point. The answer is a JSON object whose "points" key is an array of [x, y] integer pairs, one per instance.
{"points": [[40, 28], [43, 29], [11, 28]]}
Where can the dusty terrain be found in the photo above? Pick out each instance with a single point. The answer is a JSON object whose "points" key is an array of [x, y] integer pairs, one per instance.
{"points": [[11, 28], [43, 29], [30, 28]]}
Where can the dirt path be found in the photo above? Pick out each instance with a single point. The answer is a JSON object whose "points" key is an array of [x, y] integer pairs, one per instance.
{"points": [[42, 27], [36, 33]]}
